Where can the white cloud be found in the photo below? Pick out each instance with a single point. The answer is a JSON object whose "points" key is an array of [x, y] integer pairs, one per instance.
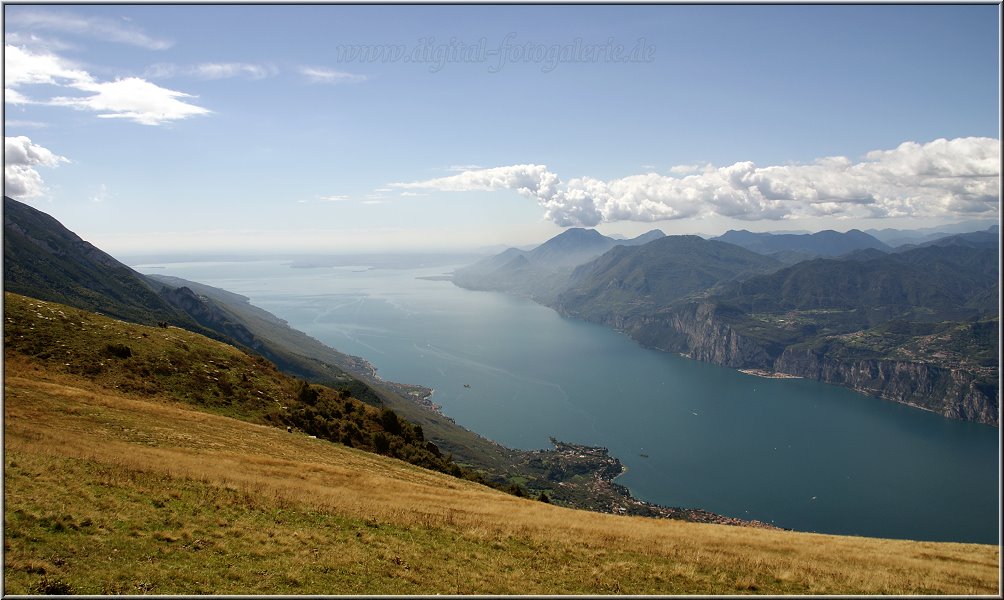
{"points": [[129, 98], [211, 71], [111, 30], [333, 198], [412, 194], [20, 157], [956, 177], [23, 67], [134, 99], [325, 75]]}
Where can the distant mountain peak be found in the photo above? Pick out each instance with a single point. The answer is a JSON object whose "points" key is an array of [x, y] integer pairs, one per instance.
{"points": [[579, 233], [822, 243]]}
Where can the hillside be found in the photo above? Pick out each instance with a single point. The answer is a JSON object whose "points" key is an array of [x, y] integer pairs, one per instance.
{"points": [[630, 280], [917, 327], [45, 260], [180, 366], [112, 491]]}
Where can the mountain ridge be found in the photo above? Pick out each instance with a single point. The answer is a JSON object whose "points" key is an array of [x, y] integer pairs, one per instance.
{"points": [[826, 243]]}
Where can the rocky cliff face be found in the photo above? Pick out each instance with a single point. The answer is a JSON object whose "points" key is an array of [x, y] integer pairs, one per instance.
{"points": [[209, 315], [954, 393], [696, 330], [700, 331], [712, 339]]}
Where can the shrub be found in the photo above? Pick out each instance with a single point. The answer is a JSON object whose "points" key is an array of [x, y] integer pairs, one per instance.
{"points": [[380, 442], [389, 421], [119, 350], [307, 394]]}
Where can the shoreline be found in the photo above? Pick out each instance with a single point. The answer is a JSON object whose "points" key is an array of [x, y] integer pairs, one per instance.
{"points": [[590, 472]]}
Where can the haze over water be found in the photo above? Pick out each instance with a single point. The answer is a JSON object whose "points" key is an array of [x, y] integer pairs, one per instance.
{"points": [[800, 454]]}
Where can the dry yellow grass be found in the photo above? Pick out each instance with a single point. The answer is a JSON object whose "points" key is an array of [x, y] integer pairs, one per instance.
{"points": [[109, 493]]}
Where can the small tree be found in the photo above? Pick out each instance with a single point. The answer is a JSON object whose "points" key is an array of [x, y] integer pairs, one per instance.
{"points": [[390, 422], [381, 442], [307, 394]]}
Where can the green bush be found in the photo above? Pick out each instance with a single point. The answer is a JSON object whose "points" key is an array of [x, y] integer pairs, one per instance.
{"points": [[380, 442], [118, 350]]}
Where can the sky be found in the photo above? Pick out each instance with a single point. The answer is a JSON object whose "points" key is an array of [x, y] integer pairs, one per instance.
{"points": [[327, 128]]}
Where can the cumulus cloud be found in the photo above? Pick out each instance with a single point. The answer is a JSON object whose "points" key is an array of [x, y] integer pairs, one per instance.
{"points": [[325, 75], [20, 157], [112, 30], [956, 177], [130, 98]]}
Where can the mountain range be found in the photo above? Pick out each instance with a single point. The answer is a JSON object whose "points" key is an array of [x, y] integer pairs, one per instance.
{"points": [[823, 243], [913, 324], [542, 272]]}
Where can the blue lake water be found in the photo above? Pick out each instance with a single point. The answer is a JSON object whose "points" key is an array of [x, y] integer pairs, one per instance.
{"points": [[800, 454]]}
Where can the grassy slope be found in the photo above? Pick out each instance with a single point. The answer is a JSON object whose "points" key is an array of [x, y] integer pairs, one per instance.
{"points": [[127, 490], [178, 365], [108, 492]]}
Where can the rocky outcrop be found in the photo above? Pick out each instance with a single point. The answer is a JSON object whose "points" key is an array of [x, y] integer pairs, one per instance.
{"points": [[953, 393], [207, 314], [712, 339], [701, 331], [695, 330]]}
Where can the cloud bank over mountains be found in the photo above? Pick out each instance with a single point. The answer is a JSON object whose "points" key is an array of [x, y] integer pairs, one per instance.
{"points": [[958, 177]]}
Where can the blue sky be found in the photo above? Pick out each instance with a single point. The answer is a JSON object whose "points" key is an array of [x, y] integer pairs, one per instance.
{"points": [[188, 128]]}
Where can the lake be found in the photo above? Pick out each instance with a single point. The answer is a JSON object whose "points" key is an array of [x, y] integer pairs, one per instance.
{"points": [[799, 454]]}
